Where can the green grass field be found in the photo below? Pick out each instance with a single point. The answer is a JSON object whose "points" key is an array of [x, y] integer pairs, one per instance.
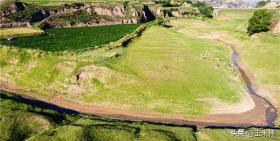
{"points": [[61, 39], [144, 77], [158, 82], [259, 53]]}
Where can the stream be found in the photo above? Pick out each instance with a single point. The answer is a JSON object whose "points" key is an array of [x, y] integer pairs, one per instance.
{"points": [[271, 113]]}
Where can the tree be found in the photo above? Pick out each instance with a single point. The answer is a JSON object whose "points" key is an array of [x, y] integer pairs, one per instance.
{"points": [[204, 9], [262, 3], [259, 22]]}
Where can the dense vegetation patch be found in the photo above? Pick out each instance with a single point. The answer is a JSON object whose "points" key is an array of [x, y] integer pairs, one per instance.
{"points": [[61, 39], [260, 21], [204, 9]]}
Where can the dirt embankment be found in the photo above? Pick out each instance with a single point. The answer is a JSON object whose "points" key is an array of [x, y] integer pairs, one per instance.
{"points": [[275, 26]]}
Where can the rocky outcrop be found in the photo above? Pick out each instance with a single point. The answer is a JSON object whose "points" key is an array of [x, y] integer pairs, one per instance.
{"points": [[15, 7], [6, 23], [116, 10], [70, 15]]}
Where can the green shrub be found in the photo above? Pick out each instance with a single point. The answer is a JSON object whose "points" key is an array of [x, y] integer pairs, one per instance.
{"points": [[204, 9], [188, 1], [259, 22]]}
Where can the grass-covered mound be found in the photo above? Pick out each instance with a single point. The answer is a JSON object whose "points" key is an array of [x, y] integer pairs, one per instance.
{"points": [[61, 39]]}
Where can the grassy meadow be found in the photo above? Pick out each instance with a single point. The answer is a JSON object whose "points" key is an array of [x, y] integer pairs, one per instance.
{"points": [[259, 53], [61, 39], [144, 75], [141, 76]]}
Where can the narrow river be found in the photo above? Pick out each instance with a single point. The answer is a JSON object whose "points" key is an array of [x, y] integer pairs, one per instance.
{"points": [[271, 113]]}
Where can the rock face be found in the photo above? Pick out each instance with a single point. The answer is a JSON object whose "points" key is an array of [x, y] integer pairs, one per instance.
{"points": [[76, 15]]}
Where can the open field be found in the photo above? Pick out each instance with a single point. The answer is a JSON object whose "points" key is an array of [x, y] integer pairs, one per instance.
{"points": [[144, 77], [19, 32], [259, 53], [61, 39]]}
